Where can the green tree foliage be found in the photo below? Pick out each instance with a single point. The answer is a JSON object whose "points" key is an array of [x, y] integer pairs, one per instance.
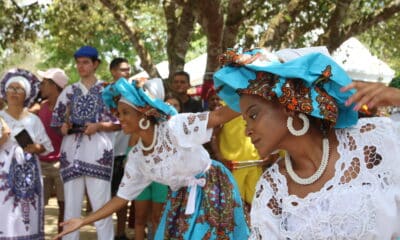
{"points": [[383, 41], [395, 82], [71, 24], [18, 24], [138, 28]]}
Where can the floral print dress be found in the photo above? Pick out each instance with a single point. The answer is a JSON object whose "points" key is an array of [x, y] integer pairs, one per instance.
{"points": [[204, 201], [21, 187]]}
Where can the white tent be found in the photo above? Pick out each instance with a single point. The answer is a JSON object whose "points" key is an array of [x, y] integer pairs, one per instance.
{"points": [[196, 69], [360, 64]]}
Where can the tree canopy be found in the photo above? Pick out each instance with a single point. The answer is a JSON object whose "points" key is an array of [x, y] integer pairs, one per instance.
{"points": [[148, 32]]}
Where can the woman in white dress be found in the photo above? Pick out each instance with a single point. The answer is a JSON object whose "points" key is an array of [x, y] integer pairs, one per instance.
{"points": [[204, 202], [21, 185], [340, 177]]}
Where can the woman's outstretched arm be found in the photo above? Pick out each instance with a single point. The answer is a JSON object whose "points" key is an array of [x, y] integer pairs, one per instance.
{"points": [[109, 208], [220, 116]]}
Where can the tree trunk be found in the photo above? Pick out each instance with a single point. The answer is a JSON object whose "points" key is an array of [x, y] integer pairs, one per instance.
{"points": [[233, 21], [278, 26], [134, 36], [179, 32], [337, 37], [211, 19], [332, 31]]}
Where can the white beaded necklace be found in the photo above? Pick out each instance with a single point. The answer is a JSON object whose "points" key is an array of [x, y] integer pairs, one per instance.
{"points": [[317, 174], [151, 146]]}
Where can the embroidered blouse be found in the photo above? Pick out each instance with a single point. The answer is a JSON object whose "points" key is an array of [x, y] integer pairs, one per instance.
{"points": [[362, 200], [178, 156]]}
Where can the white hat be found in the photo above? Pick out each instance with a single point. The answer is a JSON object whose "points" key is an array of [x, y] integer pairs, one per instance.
{"points": [[56, 74], [23, 82], [155, 88], [288, 54]]}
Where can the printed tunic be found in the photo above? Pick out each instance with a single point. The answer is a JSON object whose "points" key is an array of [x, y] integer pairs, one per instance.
{"points": [[361, 201], [83, 155], [21, 198]]}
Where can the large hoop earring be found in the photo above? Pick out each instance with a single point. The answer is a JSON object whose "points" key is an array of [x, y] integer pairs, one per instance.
{"points": [[300, 132], [143, 125]]}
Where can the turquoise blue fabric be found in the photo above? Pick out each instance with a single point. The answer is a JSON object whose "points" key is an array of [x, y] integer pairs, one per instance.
{"points": [[307, 68], [201, 225], [135, 95]]}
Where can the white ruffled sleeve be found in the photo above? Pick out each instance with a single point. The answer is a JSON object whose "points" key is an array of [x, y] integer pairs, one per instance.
{"points": [[133, 181], [190, 129]]}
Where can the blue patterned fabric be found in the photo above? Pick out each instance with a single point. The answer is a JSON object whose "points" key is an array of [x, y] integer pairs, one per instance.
{"points": [[136, 96], [22, 186], [318, 76], [30, 77], [218, 212], [80, 108], [80, 154], [78, 168]]}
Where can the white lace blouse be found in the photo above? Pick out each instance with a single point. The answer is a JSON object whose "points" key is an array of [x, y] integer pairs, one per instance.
{"points": [[178, 156], [361, 201]]}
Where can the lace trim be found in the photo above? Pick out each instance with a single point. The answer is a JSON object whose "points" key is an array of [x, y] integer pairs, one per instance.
{"points": [[365, 160]]}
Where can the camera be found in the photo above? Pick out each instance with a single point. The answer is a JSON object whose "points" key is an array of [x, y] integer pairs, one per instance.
{"points": [[76, 128]]}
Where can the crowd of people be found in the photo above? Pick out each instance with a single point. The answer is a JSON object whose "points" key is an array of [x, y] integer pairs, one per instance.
{"points": [[277, 149]]}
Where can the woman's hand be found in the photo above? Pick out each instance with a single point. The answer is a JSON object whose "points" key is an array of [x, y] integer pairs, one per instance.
{"points": [[5, 132], [91, 128], [64, 129], [372, 94], [220, 116], [34, 148], [70, 225]]}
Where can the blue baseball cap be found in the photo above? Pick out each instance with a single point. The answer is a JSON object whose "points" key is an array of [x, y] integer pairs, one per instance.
{"points": [[87, 51]]}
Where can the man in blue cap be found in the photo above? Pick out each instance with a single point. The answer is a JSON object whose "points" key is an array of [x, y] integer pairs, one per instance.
{"points": [[86, 153]]}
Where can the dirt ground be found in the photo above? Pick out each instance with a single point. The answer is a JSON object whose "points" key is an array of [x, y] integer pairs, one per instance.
{"points": [[87, 232]]}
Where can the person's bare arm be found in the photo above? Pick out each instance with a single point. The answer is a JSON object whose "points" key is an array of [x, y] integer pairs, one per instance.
{"points": [[109, 208], [221, 116], [92, 128], [5, 132], [372, 94], [214, 143]]}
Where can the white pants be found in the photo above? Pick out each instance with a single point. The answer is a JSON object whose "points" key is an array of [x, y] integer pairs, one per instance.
{"points": [[99, 192]]}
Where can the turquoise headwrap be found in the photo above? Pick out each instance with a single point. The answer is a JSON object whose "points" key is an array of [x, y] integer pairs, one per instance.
{"points": [[309, 84], [137, 97]]}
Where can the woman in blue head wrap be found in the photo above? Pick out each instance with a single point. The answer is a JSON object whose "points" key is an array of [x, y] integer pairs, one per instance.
{"points": [[204, 201], [339, 178]]}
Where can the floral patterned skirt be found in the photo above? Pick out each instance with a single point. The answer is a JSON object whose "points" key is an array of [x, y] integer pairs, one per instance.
{"points": [[218, 214]]}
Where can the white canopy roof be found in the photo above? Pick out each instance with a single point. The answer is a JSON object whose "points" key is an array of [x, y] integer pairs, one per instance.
{"points": [[360, 64]]}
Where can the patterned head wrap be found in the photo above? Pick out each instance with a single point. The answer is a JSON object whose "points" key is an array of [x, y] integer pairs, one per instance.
{"points": [[27, 79], [309, 84], [137, 98]]}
